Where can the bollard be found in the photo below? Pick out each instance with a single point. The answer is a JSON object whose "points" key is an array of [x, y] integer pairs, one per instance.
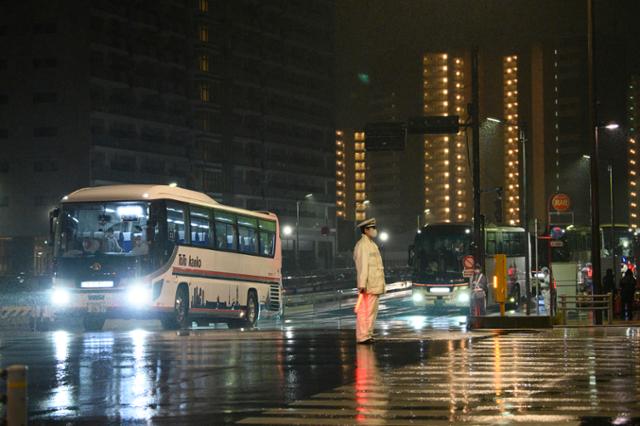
{"points": [[563, 304], [16, 408]]}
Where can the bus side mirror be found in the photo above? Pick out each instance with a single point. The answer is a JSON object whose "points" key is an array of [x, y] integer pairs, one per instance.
{"points": [[53, 216]]}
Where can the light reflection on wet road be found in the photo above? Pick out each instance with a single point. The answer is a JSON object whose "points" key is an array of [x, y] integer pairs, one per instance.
{"points": [[309, 371], [553, 377], [212, 376]]}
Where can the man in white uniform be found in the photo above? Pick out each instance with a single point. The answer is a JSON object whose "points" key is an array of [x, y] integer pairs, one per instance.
{"points": [[370, 276]]}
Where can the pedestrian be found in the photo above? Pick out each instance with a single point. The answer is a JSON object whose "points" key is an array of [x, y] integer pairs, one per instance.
{"points": [[608, 283], [370, 280], [479, 290], [627, 293]]}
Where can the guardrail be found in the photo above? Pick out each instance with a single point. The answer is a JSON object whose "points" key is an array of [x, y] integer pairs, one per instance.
{"points": [[335, 279], [15, 400], [587, 302], [308, 302]]}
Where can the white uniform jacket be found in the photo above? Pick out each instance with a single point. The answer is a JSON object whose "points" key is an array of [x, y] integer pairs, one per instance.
{"points": [[370, 271]]}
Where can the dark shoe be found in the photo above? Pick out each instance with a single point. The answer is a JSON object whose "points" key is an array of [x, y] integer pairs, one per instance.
{"points": [[366, 342]]}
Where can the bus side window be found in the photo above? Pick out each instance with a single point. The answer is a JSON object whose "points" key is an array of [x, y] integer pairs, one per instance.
{"points": [[225, 224], [491, 243], [200, 230], [248, 235], [267, 237], [176, 223]]}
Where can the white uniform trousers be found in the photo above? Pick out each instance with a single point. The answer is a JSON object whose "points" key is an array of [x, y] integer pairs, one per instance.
{"points": [[366, 316]]}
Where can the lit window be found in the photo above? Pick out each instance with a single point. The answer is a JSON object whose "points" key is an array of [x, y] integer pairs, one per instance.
{"points": [[204, 92], [204, 33], [204, 63]]}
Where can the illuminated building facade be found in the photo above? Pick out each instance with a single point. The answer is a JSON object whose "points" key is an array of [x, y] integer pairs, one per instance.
{"points": [[341, 168], [447, 177], [511, 140], [360, 176], [633, 154]]}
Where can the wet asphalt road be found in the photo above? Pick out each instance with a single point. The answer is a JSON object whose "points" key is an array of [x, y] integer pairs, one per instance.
{"points": [[308, 370]]}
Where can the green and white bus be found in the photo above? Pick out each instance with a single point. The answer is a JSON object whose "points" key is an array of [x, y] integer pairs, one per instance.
{"points": [[437, 259]]}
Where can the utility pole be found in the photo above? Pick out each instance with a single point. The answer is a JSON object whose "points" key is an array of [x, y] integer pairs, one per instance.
{"points": [[475, 127], [593, 132], [525, 215]]}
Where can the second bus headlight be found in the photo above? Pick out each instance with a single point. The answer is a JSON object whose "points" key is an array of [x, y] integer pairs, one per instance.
{"points": [[139, 295]]}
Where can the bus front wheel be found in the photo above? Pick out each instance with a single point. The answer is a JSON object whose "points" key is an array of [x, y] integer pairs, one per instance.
{"points": [[179, 318], [93, 322]]}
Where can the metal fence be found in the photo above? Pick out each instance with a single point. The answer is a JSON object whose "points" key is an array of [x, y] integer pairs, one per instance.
{"points": [[15, 398], [586, 303]]}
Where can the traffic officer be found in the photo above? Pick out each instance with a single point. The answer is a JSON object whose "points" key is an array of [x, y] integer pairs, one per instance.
{"points": [[370, 278], [480, 291]]}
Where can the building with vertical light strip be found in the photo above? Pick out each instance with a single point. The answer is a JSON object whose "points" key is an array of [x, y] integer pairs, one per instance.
{"points": [[447, 177], [511, 141], [360, 176], [340, 176], [633, 153]]}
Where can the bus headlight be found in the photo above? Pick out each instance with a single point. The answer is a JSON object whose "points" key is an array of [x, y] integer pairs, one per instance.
{"points": [[60, 297], [417, 297], [138, 295], [463, 297]]}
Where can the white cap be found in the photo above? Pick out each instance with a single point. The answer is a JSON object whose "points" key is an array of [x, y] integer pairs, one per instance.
{"points": [[368, 222]]}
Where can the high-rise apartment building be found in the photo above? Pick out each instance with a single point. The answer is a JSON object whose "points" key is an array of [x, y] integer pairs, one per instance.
{"points": [[341, 169], [633, 150], [511, 139], [567, 140], [447, 182], [230, 98], [360, 181]]}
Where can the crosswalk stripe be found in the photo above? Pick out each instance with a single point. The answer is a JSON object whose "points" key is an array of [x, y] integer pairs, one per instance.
{"points": [[520, 378]]}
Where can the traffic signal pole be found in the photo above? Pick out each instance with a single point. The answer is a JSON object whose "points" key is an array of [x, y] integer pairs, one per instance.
{"points": [[475, 129], [593, 136]]}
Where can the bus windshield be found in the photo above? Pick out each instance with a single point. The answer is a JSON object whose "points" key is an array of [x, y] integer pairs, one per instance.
{"points": [[110, 228], [439, 253]]}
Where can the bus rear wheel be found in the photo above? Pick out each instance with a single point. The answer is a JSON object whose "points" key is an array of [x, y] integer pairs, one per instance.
{"points": [[93, 322], [251, 313], [179, 318]]}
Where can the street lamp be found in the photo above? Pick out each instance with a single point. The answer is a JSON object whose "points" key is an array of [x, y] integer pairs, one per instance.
{"points": [[611, 126], [525, 217], [384, 236], [298, 202], [287, 230]]}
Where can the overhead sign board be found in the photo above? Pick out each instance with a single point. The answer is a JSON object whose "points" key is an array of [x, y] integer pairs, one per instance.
{"points": [[388, 136], [434, 124]]}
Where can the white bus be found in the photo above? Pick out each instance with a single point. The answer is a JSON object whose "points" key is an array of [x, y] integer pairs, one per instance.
{"points": [[437, 260], [155, 251]]}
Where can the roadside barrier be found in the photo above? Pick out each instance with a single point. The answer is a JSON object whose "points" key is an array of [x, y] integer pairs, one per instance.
{"points": [[586, 303], [308, 302], [15, 400]]}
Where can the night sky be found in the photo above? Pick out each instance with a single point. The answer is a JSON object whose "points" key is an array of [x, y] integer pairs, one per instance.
{"points": [[386, 39]]}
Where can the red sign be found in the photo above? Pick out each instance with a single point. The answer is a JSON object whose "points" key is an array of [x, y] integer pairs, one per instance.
{"points": [[468, 262], [560, 202]]}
